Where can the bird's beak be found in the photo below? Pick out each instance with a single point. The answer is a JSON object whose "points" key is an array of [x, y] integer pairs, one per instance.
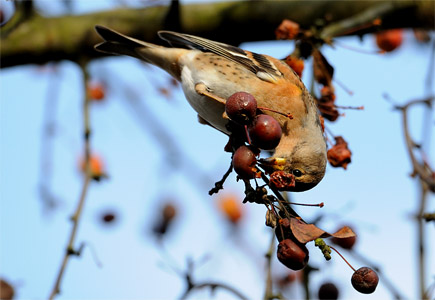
{"points": [[274, 163]]}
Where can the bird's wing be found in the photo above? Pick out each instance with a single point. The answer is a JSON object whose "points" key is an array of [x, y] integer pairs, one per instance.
{"points": [[256, 63]]}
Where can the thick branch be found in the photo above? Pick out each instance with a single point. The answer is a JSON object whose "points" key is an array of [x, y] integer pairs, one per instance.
{"points": [[39, 40]]}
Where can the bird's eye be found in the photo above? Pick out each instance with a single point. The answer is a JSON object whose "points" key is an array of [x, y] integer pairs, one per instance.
{"points": [[297, 173]]}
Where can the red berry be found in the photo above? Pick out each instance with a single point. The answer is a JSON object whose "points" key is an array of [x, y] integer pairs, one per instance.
{"points": [[241, 107], [96, 91], [265, 132], [365, 280], [328, 291], [293, 255], [389, 40], [244, 161]]}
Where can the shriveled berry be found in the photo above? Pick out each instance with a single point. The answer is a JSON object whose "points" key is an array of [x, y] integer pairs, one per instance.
{"points": [[293, 255], [241, 107], [365, 280], [265, 132], [244, 161], [328, 290]]}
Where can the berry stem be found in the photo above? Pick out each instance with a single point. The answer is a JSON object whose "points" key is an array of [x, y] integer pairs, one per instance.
{"points": [[247, 135], [350, 107], [321, 204], [343, 258]]}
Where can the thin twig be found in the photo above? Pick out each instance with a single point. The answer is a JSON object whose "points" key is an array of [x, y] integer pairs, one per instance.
{"points": [[419, 169], [213, 285], [421, 241], [86, 182], [268, 293]]}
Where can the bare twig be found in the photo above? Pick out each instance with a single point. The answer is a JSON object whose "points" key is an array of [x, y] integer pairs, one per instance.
{"points": [[86, 182], [213, 286], [268, 293], [419, 168], [422, 169]]}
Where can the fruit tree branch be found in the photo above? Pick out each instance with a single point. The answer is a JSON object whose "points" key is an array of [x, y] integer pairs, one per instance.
{"points": [[39, 39]]}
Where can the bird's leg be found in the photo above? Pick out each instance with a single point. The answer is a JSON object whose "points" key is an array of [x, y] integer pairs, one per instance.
{"points": [[202, 89]]}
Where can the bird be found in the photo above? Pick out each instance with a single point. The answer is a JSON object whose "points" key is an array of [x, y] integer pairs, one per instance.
{"points": [[210, 72]]}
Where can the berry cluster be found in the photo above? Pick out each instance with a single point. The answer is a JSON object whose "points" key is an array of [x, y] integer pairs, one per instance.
{"points": [[261, 131]]}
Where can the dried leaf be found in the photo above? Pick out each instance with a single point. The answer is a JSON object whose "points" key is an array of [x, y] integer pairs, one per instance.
{"points": [[323, 71], [343, 233], [305, 233]]}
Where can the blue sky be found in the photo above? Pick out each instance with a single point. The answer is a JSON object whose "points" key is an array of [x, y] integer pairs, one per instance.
{"points": [[375, 195]]}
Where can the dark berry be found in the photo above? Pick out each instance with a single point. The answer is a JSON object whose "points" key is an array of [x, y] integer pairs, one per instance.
{"points": [[169, 212], [244, 161], [328, 291], [293, 255], [241, 107], [346, 243], [108, 217], [265, 132], [365, 280]]}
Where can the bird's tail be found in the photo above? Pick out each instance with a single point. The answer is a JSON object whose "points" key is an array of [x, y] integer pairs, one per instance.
{"points": [[120, 44]]}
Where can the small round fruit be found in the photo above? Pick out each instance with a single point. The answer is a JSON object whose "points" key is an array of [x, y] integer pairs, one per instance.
{"points": [[389, 40], [328, 290], [365, 280], [241, 107], [108, 217], [244, 161], [96, 91], [346, 243], [265, 132], [292, 255]]}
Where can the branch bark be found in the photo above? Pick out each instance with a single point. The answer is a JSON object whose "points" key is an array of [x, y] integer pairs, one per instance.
{"points": [[39, 39]]}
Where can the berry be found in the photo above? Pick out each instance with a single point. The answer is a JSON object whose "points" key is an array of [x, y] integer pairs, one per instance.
{"points": [[265, 132], [241, 107], [108, 217], [96, 166], [231, 208], [169, 212], [365, 280], [346, 243], [292, 254], [96, 91], [244, 161], [389, 40], [339, 155], [328, 291], [288, 30]]}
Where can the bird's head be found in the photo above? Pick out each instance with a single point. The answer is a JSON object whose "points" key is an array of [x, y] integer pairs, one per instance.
{"points": [[305, 161]]}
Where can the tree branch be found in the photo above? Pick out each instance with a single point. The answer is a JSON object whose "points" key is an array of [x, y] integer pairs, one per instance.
{"points": [[38, 39]]}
